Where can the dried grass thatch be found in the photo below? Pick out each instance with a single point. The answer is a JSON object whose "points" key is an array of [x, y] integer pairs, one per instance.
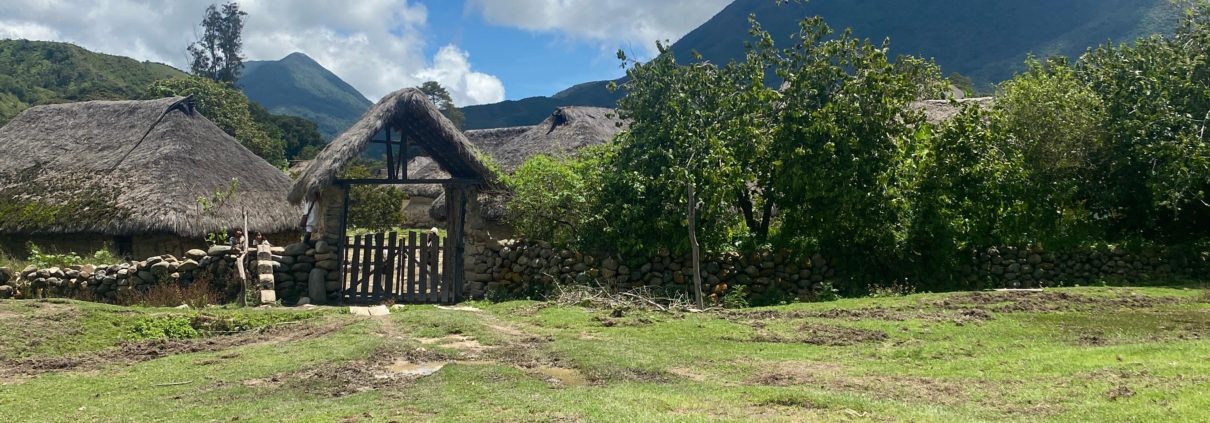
{"points": [[939, 111], [410, 111], [126, 168]]}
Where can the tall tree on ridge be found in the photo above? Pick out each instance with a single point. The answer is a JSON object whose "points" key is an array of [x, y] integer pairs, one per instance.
{"points": [[441, 97], [217, 54]]}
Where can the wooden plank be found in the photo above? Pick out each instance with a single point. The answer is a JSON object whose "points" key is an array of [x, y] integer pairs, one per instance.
{"points": [[366, 261], [379, 266], [392, 261], [422, 261], [410, 263], [351, 285], [459, 238], [435, 272], [449, 292], [343, 266]]}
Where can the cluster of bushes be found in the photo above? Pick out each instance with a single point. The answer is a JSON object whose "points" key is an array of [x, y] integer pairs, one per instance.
{"points": [[819, 147]]}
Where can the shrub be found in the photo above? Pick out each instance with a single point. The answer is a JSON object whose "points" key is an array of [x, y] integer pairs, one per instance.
{"points": [[164, 327]]}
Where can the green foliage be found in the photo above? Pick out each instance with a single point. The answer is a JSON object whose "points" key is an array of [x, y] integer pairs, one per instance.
{"points": [[217, 54], [374, 208], [43, 260], [553, 199], [228, 108], [1156, 95], [736, 298], [164, 327], [445, 103]]}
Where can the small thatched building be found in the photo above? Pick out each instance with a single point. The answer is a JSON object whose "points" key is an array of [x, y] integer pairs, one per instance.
{"points": [[128, 175], [565, 132]]}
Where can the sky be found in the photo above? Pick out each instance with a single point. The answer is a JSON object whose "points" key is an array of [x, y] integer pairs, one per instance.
{"points": [[483, 51]]}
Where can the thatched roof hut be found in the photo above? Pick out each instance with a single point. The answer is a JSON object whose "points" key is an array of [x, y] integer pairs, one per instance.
{"points": [[410, 111], [565, 132], [126, 168]]}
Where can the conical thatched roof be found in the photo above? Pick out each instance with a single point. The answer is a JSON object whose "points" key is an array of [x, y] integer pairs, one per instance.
{"points": [[131, 167], [410, 111]]}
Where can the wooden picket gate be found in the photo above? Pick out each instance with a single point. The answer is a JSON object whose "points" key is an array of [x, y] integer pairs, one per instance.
{"points": [[382, 267]]}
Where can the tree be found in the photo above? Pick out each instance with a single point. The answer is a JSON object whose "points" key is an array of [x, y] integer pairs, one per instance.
{"points": [[373, 207], [1156, 95], [445, 103], [228, 108], [216, 55], [842, 137]]}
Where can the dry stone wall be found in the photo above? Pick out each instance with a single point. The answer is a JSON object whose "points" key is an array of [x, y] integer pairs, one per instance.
{"points": [[518, 267], [298, 273]]}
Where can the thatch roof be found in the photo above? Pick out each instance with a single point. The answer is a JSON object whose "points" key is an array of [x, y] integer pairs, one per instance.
{"points": [[566, 131], [408, 110], [939, 111], [124, 168]]}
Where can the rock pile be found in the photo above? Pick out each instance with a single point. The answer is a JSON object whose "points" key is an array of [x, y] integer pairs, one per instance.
{"points": [[307, 272], [8, 283]]}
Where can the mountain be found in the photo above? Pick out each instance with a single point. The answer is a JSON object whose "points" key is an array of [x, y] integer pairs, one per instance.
{"points": [[985, 40], [298, 86], [41, 72]]}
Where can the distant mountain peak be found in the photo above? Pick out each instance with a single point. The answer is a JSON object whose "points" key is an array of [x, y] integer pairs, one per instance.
{"points": [[297, 85]]}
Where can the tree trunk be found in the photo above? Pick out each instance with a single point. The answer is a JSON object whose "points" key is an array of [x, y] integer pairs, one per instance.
{"points": [[697, 269]]}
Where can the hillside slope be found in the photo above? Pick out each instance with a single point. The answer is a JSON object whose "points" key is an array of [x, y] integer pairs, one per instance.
{"points": [[42, 72], [298, 86], [986, 40]]}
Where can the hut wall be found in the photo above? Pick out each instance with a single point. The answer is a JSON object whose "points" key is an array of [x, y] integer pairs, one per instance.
{"points": [[81, 244], [416, 212]]}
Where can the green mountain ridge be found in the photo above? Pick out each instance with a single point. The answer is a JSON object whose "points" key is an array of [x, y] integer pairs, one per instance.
{"points": [[986, 40], [42, 72], [298, 86]]}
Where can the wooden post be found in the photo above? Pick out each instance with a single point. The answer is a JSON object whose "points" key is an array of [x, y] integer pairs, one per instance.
{"points": [[697, 265], [455, 212], [390, 156], [343, 248]]}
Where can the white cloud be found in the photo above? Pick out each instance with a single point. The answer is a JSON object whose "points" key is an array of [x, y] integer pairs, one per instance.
{"points": [[613, 23], [376, 45]]}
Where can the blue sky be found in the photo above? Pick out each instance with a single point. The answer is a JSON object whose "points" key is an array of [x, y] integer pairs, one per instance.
{"points": [[483, 51], [529, 63]]}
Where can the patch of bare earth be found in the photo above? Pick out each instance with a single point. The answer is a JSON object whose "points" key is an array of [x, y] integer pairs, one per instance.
{"points": [[915, 389], [1051, 301], [396, 364], [136, 352], [816, 334]]}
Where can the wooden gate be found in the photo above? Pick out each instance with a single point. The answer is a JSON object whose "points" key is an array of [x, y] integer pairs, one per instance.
{"points": [[382, 267]]}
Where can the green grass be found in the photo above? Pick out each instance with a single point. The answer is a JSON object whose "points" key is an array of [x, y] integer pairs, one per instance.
{"points": [[1075, 354]]}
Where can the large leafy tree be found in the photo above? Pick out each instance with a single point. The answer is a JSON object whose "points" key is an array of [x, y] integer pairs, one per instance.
{"points": [[841, 142], [1156, 95], [444, 102], [217, 54]]}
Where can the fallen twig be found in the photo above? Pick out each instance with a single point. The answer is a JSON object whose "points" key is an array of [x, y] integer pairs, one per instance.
{"points": [[173, 384]]}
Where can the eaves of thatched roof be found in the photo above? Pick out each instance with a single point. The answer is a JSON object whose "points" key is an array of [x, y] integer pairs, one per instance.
{"points": [[132, 167], [410, 111]]}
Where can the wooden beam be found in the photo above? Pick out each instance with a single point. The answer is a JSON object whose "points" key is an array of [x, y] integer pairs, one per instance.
{"points": [[391, 157], [458, 181]]}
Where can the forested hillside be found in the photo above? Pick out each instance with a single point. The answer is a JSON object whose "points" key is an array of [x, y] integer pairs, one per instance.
{"points": [[298, 86], [41, 72]]}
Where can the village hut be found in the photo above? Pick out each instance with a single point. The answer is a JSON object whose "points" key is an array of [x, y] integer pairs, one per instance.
{"points": [[563, 133], [128, 175]]}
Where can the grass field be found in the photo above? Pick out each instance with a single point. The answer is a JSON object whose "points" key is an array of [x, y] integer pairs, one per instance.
{"points": [[1079, 354]]}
